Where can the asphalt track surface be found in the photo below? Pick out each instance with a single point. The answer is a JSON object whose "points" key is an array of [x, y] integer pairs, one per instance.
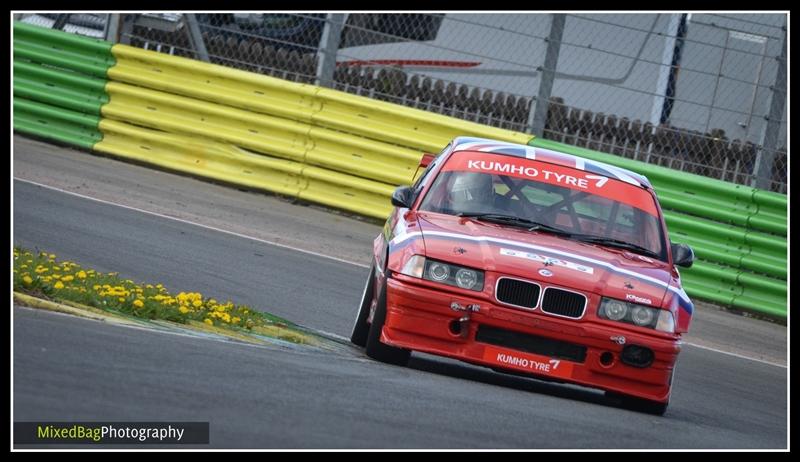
{"points": [[70, 369]]}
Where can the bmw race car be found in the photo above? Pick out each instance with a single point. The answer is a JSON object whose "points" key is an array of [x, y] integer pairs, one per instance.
{"points": [[533, 262]]}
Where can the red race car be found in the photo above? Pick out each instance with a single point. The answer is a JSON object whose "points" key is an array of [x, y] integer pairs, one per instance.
{"points": [[532, 262]]}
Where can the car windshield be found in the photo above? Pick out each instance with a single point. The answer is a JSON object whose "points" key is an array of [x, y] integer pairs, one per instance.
{"points": [[548, 198]]}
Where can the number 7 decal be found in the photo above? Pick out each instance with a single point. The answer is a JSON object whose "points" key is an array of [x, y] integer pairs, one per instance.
{"points": [[601, 180]]}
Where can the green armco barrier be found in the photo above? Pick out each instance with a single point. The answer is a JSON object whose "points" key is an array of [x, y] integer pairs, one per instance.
{"points": [[62, 49], [699, 186], [738, 233], [67, 98], [56, 123], [59, 84]]}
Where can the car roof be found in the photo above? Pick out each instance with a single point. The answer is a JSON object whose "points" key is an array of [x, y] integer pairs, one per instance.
{"points": [[464, 143]]}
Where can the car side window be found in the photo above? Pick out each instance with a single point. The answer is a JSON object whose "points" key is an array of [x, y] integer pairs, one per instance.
{"points": [[423, 179]]}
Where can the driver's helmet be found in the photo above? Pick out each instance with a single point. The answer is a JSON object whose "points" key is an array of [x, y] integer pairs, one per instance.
{"points": [[471, 192]]}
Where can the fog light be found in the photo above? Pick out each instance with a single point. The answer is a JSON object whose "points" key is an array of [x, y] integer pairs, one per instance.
{"points": [[637, 356]]}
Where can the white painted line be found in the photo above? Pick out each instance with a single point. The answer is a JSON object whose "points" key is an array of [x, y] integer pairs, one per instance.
{"points": [[181, 220], [735, 355]]}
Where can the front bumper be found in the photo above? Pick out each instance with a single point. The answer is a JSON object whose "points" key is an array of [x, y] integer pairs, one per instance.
{"points": [[420, 318]]}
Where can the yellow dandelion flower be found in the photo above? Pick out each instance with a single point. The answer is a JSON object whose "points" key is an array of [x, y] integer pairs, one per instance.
{"points": [[27, 280], [121, 299], [96, 287], [208, 321], [138, 303], [59, 285], [67, 278], [236, 320], [81, 274], [197, 303], [183, 309]]}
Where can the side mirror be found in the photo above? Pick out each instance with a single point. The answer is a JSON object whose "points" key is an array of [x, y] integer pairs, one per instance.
{"points": [[426, 160], [401, 197], [682, 255]]}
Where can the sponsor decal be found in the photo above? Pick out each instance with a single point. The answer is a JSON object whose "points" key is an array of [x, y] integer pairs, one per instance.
{"points": [[548, 261], [528, 362], [558, 175], [549, 176], [636, 299], [618, 339], [545, 273]]}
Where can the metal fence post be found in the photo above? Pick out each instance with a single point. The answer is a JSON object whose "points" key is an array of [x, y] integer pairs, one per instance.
{"points": [[664, 68], [61, 21], [126, 28], [196, 37], [112, 27], [329, 46], [538, 117], [769, 141]]}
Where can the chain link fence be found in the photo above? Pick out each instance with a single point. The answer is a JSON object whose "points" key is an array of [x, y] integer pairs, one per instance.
{"points": [[701, 93]]}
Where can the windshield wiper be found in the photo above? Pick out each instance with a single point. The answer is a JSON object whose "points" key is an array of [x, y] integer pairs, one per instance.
{"points": [[618, 244], [530, 225]]}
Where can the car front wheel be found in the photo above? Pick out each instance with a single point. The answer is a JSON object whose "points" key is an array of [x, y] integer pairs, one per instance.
{"points": [[375, 348], [361, 328]]}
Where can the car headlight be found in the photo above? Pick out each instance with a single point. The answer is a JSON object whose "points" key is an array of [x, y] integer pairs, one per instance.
{"points": [[638, 315], [614, 309], [444, 273]]}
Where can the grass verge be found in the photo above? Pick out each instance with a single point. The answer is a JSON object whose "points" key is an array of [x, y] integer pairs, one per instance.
{"points": [[43, 276]]}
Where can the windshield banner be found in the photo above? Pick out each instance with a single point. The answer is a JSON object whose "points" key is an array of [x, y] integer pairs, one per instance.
{"points": [[557, 175]]}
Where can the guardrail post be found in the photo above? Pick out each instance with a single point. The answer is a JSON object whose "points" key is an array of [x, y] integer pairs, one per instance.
{"points": [[769, 138], [538, 116], [329, 46], [196, 37]]}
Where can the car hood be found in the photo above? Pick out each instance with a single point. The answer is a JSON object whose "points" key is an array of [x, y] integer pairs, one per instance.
{"points": [[545, 258]]}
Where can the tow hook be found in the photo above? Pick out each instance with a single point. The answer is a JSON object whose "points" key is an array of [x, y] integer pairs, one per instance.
{"points": [[463, 321]]}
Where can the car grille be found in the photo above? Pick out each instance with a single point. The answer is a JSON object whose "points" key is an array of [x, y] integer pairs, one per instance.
{"points": [[519, 293], [563, 302], [531, 343]]}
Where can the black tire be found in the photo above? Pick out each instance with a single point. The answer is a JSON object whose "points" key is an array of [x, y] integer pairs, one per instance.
{"points": [[380, 351], [361, 328]]}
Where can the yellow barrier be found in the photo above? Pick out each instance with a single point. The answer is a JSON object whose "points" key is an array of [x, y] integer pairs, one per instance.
{"points": [[397, 124], [352, 114], [276, 136], [299, 140], [228, 163]]}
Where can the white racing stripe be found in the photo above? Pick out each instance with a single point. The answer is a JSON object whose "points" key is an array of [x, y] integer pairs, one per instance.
{"points": [[181, 220], [542, 249]]}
